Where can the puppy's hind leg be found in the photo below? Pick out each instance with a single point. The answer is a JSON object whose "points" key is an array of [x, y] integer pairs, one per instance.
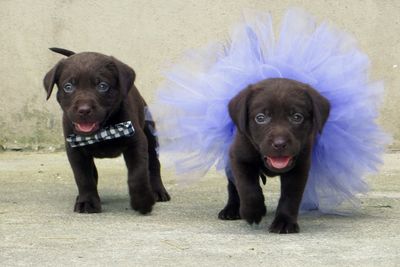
{"points": [[159, 191], [231, 209]]}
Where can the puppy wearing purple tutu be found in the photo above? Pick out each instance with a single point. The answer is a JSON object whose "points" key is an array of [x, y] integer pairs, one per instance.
{"points": [[277, 121], [309, 115]]}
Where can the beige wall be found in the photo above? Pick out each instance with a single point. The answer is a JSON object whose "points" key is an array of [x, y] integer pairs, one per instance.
{"points": [[149, 34]]}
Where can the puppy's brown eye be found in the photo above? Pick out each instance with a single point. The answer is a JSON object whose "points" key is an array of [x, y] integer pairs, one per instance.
{"points": [[103, 87], [262, 118], [296, 118], [68, 88]]}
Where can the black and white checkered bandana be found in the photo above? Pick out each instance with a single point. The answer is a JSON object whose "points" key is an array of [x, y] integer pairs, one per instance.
{"points": [[122, 129]]}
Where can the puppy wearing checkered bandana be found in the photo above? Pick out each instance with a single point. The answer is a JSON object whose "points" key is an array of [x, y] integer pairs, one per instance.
{"points": [[104, 115]]}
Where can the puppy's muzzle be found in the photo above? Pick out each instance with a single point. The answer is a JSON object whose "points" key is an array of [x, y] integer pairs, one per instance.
{"points": [[84, 110], [279, 143], [86, 116], [280, 153]]}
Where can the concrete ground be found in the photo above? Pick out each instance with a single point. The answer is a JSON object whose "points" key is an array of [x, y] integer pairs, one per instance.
{"points": [[38, 227]]}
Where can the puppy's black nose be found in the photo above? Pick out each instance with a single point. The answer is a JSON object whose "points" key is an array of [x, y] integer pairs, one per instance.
{"points": [[279, 143], [84, 110]]}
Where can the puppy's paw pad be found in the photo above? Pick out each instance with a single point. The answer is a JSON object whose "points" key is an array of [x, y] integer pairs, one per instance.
{"points": [[143, 203], [87, 205], [283, 225], [230, 212], [253, 214]]}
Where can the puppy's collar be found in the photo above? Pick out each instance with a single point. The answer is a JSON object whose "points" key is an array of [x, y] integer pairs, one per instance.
{"points": [[123, 129]]}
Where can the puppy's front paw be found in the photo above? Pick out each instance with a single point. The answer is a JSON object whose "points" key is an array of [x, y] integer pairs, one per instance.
{"points": [[230, 212], [253, 213], [283, 224], [87, 204], [143, 202]]}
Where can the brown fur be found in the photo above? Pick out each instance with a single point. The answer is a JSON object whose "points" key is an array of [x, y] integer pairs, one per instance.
{"points": [[280, 137], [122, 102]]}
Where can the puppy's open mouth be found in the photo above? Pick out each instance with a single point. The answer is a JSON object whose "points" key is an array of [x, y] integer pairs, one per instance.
{"points": [[86, 127], [279, 163]]}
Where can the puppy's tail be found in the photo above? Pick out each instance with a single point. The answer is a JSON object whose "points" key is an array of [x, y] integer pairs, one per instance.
{"points": [[62, 51]]}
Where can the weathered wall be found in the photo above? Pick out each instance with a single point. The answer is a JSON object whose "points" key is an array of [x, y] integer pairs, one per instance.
{"points": [[148, 34]]}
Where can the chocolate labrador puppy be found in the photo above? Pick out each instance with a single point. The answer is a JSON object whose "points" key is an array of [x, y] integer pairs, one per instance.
{"points": [[277, 121], [105, 116]]}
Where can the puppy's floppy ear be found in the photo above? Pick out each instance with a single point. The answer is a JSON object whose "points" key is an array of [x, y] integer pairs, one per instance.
{"points": [[126, 76], [321, 108], [51, 78], [238, 109]]}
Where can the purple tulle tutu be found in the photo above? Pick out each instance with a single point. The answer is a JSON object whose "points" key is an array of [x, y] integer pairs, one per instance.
{"points": [[192, 115]]}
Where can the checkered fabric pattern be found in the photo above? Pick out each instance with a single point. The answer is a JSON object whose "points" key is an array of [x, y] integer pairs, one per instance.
{"points": [[122, 129], [149, 123]]}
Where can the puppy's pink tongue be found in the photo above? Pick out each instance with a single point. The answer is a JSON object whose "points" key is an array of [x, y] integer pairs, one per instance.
{"points": [[86, 127], [278, 162]]}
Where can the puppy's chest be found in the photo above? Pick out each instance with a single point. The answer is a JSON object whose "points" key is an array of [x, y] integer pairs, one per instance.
{"points": [[110, 148], [268, 172]]}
